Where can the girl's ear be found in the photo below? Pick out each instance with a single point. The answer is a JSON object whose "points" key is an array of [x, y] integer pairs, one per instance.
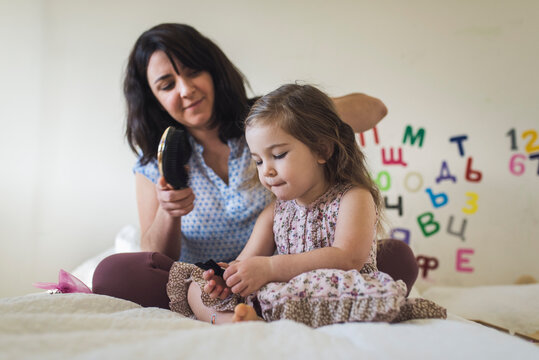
{"points": [[326, 152]]}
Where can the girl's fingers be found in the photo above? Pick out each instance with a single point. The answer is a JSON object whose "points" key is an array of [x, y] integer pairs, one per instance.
{"points": [[207, 275], [231, 281], [213, 288], [208, 288], [225, 293], [230, 271], [216, 292], [239, 288]]}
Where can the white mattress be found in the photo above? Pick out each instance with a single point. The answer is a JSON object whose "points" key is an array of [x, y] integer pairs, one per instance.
{"points": [[88, 326]]}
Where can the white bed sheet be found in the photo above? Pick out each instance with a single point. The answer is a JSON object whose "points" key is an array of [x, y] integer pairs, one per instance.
{"points": [[89, 326], [513, 307]]}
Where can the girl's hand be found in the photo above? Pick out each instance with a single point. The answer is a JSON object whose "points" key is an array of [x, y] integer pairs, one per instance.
{"points": [[175, 202], [216, 286], [247, 276]]}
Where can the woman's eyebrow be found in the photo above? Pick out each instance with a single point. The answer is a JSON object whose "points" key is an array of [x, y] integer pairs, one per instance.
{"points": [[162, 77]]}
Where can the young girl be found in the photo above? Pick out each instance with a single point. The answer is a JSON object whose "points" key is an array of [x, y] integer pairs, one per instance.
{"points": [[312, 254]]}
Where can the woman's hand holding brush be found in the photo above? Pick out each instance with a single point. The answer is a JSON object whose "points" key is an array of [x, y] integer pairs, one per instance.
{"points": [[175, 202]]}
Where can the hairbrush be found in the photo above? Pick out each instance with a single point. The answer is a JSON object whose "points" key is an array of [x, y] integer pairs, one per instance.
{"points": [[210, 264], [172, 156]]}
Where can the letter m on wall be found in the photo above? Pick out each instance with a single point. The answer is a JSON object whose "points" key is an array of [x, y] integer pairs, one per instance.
{"points": [[408, 133]]}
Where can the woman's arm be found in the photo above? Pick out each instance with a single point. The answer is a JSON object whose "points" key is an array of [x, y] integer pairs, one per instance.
{"points": [[362, 112], [160, 210]]}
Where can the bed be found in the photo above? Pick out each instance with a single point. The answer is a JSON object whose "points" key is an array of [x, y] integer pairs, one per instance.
{"points": [[90, 326]]}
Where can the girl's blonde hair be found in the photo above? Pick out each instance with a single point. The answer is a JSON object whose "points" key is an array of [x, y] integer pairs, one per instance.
{"points": [[309, 115]]}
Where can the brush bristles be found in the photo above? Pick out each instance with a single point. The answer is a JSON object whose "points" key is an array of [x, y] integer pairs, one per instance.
{"points": [[175, 155]]}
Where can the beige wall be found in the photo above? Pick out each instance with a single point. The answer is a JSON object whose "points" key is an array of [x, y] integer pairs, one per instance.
{"points": [[466, 67]]}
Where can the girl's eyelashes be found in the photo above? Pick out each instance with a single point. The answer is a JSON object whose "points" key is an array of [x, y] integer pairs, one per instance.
{"points": [[280, 156], [276, 157]]}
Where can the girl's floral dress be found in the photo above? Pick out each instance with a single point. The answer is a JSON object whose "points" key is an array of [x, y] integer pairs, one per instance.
{"points": [[319, 297]]}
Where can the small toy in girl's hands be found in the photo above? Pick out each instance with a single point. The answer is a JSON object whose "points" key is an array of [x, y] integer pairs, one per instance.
{"points": [[210, 264], [67, 283]]}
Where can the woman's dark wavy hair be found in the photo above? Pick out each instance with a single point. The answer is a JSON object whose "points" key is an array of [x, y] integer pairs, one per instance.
{"points": [[146, 119], [309, 115]]}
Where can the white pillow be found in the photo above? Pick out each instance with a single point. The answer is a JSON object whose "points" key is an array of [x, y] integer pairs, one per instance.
{"points": [[85, 271], [127, 240], [514, 307]]}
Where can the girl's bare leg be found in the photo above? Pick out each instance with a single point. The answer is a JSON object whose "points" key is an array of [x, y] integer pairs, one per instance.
{"points": [[204, 313], [242, 312]]}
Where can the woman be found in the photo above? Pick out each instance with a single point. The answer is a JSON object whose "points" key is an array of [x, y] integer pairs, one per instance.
{"points": [[176, 76]]}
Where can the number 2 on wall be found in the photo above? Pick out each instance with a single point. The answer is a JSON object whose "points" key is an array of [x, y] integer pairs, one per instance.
{"points": [[531, 146]]}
